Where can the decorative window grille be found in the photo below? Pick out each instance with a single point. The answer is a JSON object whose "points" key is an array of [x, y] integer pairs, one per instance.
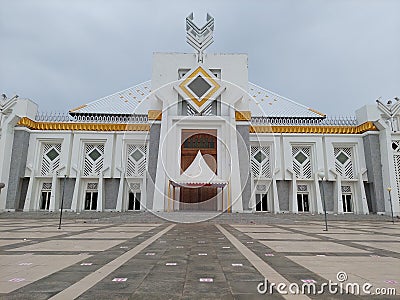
{"points": [[94, 159], [396, 159], [136, 165], [261, 188], [50, 159], [346, 189], [92, 186], [260, 161], [302, 188], [344, 162], [302, 162], [134, 187], [46, 186]]}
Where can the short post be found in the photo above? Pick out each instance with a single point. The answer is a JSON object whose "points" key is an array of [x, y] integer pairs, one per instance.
{"points": [[389, 189], [321, 175], [62, 201]]}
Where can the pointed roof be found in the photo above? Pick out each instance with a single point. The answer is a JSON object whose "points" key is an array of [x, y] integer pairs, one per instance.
{"points": [[263, 103], [198, 173]]}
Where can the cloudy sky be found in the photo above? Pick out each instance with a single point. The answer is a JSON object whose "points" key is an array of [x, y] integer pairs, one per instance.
{"points": [[334, 56]]}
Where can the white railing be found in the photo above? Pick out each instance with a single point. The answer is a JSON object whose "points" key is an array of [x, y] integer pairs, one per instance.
{"points": [[90, 118], [331, 121]]}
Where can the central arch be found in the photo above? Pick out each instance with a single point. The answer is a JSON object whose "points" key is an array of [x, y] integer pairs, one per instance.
{"points": [[202, 198]]}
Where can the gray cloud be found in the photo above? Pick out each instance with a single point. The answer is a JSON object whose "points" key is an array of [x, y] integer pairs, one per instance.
{"points": [[334, 56]]}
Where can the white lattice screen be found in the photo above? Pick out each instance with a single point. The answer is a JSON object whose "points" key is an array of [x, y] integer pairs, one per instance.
{"points": [[136, 164], [260, 161], [50, 159], [344, 161], [208, 111], [396, 159], [302, 162], [94, 159]]}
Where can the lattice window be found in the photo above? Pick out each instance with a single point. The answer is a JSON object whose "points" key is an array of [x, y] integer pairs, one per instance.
{"points": [[94, 159], [92, 186], [396, 159], [136, 164], [261, 187], [260, 161], [50, 159], [344, 162], [302, 162], [302, 187], [346, 189], [396, 146]]}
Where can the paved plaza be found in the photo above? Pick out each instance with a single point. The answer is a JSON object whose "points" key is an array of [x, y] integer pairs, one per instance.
{"points": [[145, 257]]}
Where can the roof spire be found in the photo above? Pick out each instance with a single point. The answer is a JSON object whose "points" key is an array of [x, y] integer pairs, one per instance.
{"points": [[199, 38]]}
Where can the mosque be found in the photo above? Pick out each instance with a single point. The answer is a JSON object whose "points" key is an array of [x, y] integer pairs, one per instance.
{"points": [[199, 136]]}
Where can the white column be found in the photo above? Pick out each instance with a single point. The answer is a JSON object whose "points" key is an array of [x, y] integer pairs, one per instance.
{"points": [[363, 207], [120, 198], [293, 194], [275, 199], [52, 206], [75, 197], [100, 197], [318, 200], [29, 199]]}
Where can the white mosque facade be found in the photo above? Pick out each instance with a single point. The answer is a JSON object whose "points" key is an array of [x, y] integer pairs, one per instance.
{"points": [[199, 136]]}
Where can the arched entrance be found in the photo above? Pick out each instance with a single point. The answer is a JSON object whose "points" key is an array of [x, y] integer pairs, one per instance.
{"points": [[204, 197]]}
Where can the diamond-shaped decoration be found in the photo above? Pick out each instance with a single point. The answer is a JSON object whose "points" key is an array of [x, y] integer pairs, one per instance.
{"points": [[260, 157], [395, 146], [95, 154], [199, 86], [342, 158], [52, 154], [137, 155], [300, 157]]}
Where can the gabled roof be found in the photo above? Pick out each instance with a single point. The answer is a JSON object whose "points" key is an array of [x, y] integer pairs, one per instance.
{"points": [[123, 102], [263, 103], [270, 104]]}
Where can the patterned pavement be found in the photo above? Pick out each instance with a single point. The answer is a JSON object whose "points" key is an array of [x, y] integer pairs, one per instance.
{"points": [[161, 260]]}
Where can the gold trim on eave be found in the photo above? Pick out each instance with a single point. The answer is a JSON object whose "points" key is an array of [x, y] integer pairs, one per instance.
{"points": [[367, 126], [154, 115], [78, 108], [317, 112], [244, 115], [81, 126]]}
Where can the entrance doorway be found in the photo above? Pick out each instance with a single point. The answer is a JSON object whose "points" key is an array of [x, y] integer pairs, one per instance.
{"points": [[204, 197], [303, 204]]}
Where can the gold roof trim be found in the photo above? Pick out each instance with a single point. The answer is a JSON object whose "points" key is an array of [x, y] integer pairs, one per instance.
{"points": [[78, 108], [243, 115], [26, 122], [317, 112], [154, 115], [367, 126]]}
